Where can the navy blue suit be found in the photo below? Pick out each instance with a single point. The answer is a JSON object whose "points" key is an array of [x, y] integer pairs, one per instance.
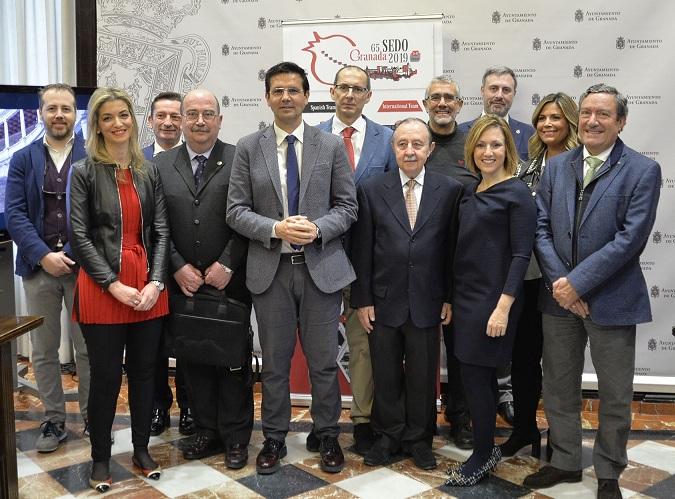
{"points": [[521, 133], [24, 202], [149, 151]]}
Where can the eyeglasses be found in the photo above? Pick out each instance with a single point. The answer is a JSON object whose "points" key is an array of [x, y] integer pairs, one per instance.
{"points": [[279, 92], [163, 116], [343, 89], [206, 115], [436, 98]]}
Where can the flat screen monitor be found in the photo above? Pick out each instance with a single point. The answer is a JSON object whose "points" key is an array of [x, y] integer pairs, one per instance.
{"points": [[20, 125]]}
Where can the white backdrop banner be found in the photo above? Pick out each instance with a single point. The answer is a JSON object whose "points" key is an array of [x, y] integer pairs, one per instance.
{"points": [[400, 54], [148, 46]]}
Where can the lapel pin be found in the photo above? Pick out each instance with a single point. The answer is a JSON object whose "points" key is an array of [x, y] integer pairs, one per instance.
{"points": [[219, 163]]}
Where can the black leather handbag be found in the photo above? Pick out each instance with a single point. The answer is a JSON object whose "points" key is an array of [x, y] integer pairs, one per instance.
{"points": [[211, 329]]}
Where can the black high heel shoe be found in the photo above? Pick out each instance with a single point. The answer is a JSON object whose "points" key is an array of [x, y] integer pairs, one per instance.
{"points": [[100, 479], [149, 468], [518, 440]]}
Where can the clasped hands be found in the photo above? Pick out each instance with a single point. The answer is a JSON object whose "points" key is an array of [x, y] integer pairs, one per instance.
{"points": [[296, 229], [190, 279], [140, 301], [567, 297]]}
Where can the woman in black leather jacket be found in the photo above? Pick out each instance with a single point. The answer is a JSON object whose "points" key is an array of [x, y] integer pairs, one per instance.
{"points": [[555, 120], [120, 234]]}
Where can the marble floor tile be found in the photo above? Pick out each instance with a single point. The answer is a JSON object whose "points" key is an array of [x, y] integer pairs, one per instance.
{"points": [[383, 483], [654, 454], [187, 478], [25, 466], [289, 481]]}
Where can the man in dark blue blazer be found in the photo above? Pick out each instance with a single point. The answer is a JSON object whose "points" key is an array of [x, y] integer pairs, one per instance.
{"points": [[498, 90], [36, 211], [369, 150], [406, 234], [596, 207], [165, 121]]}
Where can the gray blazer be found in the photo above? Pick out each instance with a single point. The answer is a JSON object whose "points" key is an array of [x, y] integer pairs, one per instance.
{"points": [[327, 198]]}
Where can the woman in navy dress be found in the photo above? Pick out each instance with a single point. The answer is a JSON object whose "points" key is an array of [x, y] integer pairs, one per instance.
{"points": [[497, 221]]}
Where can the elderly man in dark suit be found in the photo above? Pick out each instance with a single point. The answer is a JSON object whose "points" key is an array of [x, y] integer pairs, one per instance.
{"points": [[405, 234], [292, 195], [596, 207], [207, 256]]}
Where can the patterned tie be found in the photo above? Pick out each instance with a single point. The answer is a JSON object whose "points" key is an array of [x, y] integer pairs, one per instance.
{"points": [[411, 202], [292, 180], [201, 163], [593, 163], [347, 139]]}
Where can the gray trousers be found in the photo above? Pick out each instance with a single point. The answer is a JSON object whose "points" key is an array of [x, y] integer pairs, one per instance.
{"points": [[293, 301], [45, 295], [613, 355]]}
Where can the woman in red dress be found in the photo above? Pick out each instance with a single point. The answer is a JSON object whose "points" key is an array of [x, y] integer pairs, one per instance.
{"points": [[120, 233]]}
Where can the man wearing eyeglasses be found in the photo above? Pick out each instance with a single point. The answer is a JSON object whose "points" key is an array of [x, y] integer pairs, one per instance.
{"points": [[165, 121], [292, 195], [368, 146], [208, 256], [35, 207]]}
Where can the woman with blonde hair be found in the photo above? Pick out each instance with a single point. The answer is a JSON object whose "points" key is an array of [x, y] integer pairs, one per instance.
{"points": [[120, 233], [555, 120], [496, 232]]}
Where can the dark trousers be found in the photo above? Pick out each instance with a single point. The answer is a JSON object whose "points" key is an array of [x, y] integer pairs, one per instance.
{"points": [[526, 361], [163, 398], [106, 345], [222, 401], [456, 410], [405, 365], [480, 386]]}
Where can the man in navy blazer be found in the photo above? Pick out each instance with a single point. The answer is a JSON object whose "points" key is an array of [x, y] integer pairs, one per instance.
{"points": [[498, 90], [406, 234], [596, 207], [370, 153], [36, 211], [165, 120]]}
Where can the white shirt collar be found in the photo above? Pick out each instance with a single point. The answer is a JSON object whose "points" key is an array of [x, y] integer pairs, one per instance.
{"points": [[507, 118], [281, 134], [603, 155], [192, 154], [404, 178], [359, 125], [157, 148], [69, 144]]}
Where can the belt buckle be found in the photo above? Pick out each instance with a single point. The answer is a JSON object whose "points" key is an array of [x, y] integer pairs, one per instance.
{"points": [[298, 259]]}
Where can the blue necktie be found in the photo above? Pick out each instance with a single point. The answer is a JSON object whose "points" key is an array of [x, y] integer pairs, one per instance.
{"points": [[292, 180], [201, 163]]}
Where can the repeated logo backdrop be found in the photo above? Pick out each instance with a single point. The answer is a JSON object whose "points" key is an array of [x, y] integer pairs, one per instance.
{"points": [[148, 46]]}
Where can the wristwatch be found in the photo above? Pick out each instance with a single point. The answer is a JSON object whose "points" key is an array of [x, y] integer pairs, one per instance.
{"points": [[159, 284], [225, 268]]}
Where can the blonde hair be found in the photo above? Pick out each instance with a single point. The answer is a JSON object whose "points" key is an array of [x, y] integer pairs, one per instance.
{"points": [[95, 145], [535, 147], [477, 129]]}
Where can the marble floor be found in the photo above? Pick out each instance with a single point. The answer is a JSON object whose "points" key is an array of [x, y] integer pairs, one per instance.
{"points": [[64, 473]]}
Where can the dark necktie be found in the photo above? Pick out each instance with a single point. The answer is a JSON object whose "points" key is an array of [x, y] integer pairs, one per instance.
{"points": [[347, 139], [292, 179], [201, 163]]}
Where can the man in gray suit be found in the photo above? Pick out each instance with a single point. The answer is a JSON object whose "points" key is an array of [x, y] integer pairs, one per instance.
{"points": [[292, 195], [208, 256], [596, 206]]}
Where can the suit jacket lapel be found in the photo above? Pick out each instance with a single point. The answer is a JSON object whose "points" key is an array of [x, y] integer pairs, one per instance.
{"points": [[430, 198], [392, 192], [184, 168], [310, 152], [214, 164], [268, 145], [577, 166], [39, 163], [369, 145], [607, 172]]}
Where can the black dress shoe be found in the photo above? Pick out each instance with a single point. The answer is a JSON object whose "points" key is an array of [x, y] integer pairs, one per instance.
{"points": [[505, 410], [160, 421], [378, 455], [186, 423], [462, 435], [518, 440], [312, 443], [203, 446], [549, 476], [332, 459], [236, 456], [363, 438], [269, 458], [608, 488], [422, 456]]}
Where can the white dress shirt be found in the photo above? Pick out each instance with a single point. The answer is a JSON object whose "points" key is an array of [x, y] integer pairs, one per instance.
{"points": [[59, 157], [418, 186], [358, 137]]}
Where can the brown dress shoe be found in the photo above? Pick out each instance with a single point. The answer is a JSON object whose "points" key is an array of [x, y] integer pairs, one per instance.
{"points": [[236, 456], [268, 460], [332, 459]]}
